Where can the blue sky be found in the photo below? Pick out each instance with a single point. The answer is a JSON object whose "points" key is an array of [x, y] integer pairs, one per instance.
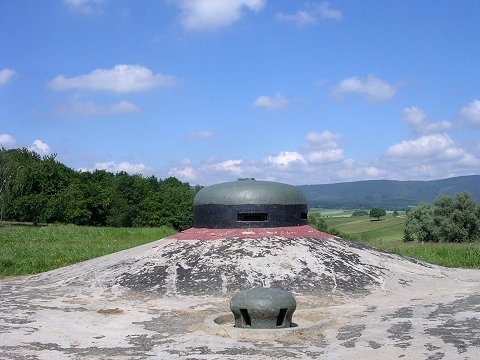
{"points": [[295, 91]]}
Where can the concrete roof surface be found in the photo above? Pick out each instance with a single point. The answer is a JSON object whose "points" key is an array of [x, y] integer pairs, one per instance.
{"points": [[170, 300]]}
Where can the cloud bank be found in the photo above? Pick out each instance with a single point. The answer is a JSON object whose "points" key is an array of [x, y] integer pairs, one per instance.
{"points": [[119, 79]]}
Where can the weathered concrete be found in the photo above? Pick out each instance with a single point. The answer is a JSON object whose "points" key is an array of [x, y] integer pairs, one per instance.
{"points": [[161, 300]]}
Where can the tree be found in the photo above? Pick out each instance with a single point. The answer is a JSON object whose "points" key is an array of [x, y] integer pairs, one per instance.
{"points": [[448, 219], [377, 213], [41, 189]]}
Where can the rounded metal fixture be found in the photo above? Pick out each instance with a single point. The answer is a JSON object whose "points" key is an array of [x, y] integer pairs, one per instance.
{"points": [[248, 203], [263, 308]]}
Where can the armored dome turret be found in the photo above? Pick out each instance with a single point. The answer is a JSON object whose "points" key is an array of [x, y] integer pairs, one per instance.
{"points": [[248, 203]]}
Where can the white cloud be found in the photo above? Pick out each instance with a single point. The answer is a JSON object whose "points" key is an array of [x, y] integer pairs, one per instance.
{"points": [[7, 141], [300, 18], [6, 75], [120, 79], [431, 148], [351, 170], [286, 159], [272, 103], [215, 14], [327, 13], [89, 108], [128, 167], [83, 6], [322, 140], [427, 145], [214, 170], [325, 147], [201, 134], [418, 120], [373, 88], [40, 147], [472, 112], [232, 166], [311, 15], [186, 173], [414, 116], [429, 157], [325, 156]]}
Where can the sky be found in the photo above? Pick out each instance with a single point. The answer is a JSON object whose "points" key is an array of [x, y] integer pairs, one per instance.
{"points": [[302, 92]]}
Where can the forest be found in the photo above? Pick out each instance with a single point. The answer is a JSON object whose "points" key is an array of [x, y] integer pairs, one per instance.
{"points": [[40, 189]]}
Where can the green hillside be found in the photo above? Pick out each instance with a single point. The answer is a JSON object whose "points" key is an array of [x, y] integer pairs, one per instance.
{"points": [[388, 194]]}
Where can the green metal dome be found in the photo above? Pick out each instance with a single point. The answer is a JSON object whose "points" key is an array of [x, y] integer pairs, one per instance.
{"points": [[250, 191], [248, 203]]}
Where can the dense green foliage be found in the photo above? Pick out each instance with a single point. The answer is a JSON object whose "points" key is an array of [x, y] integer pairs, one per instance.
{"points": [[387, 194], [42, 190], [377, 213], [448, 219], [317, 222], [33, 249]]}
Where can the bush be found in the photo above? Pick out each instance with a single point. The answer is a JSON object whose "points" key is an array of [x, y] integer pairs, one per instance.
{"points": [[448, 219], [317, 222]]}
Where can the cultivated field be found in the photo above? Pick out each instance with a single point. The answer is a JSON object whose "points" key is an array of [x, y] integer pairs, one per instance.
{"points": [[387, 234], [364, 228]]}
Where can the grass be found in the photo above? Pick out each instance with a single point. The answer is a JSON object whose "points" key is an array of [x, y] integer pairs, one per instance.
{"points": [[34, 249], [464, 255], [363, 228], [387, 234]]}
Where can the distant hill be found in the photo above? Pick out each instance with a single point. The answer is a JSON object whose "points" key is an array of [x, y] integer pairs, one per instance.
{"points": [[387, 194]]}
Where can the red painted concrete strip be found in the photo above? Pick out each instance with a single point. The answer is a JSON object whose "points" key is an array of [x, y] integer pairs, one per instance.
{"points": [[219, 234]]}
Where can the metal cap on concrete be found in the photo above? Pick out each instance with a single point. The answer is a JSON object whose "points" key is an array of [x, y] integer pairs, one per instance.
{"points": [[248, 203], [263, 308]]}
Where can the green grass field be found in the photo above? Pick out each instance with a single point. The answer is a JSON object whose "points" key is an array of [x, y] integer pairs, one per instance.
{"points": [[387, 234], [34, 249], [364, 228], [466, 255]]}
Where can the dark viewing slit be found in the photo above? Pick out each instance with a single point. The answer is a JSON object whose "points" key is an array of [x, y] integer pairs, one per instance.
{"points": [[304, 216], [281, 317], [246, 317], [252, 217]]}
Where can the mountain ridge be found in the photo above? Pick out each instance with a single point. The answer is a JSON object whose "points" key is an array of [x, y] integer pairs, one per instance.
{"points": [[389, 194]]}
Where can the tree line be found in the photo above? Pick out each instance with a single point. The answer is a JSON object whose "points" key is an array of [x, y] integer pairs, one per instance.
{"points": [[42, 190]]}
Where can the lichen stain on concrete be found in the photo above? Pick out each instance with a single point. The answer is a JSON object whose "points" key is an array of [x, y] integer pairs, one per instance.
{"points": [[351, 333], [400, 333], [460, 333], [294, 264]]}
